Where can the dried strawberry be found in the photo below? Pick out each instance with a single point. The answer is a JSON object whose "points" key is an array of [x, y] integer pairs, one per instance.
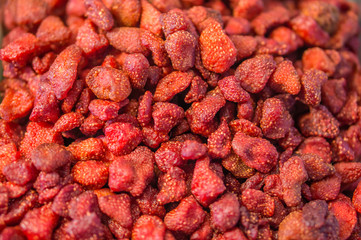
{"points": [[169, 155], [206, 186], [172, 186], [275, 120], [68, 122], [193, 150], [91, 174], [39, 223], [166, 116], [132, 172], [232, 91], [247, 9], [145, 109], [52, 32], [126, 13], [293, 174], [87, 149], [219, 142], [270, 19], [181, 47], [156, 45], [17, 103], [197, 90], [148, 204], [136, 67], [225, 212], [186, 217], [254, 73], [108, 83], [21, 50], [285, 78], [104, 109], [308, 29], [148, 226], [319, 122], [89, 40], [122, 138], [61, 202], [256, 152], [217, 50], [117, 207], [150, 18], [99, 14], [50, 156], [127, 39], [171, 85]]}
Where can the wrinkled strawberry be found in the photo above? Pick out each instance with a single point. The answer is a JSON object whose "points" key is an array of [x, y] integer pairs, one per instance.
{"points": [[270, 19], [99, 14], [126, 13], [345, 214], [122, 138], [132, 172], [157, 46], [217, 50], [108, 83], [136, 67], [148, 226], [127, 39], [50, 156], [285, 78], [171, 85], [39, 223], [232, 91], [186, 217], [327, 188], [89, 40], [181, 47], [225, 212], [166, 116], [293, 174], [319, 122], [258, 201], [206, 185], [148, 204], [308, 29], [52, 32], [275, 120], [172, 186], [91, 174], [61, 202], [169, 155], [21, 50], [255, 152], [117, 207], [63, 71], [219, 142], [254, 73], [150, 18], [197, 90]]}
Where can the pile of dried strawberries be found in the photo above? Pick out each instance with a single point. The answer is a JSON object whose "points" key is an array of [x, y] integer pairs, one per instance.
{"points": [[180, 119]]}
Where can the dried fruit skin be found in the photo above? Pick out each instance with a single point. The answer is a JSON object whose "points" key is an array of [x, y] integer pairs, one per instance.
{"points": [[253, 73], [63, 71], [285, 78], [217, 50]]}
